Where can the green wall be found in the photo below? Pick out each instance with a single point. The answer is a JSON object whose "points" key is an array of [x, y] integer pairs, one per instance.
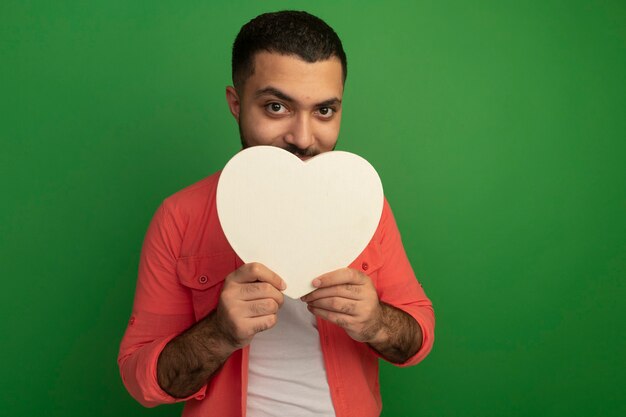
{"points": [[498, 128]]}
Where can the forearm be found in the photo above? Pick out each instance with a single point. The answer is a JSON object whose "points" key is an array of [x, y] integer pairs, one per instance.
{"points": [[399, 336], [189, 360]]}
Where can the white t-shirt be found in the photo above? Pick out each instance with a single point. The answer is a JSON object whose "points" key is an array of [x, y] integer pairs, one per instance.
{"points": [[286, 375]]}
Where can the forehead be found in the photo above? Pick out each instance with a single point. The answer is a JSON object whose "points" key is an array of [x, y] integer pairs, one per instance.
{"points": [[305, 81]]}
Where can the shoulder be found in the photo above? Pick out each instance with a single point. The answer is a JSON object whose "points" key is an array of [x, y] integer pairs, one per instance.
{"points": [[193, 199], [192, 206], [386, 220]]}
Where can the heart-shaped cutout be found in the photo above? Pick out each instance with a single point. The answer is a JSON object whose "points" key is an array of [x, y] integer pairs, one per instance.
{"points": [[301, 219]]}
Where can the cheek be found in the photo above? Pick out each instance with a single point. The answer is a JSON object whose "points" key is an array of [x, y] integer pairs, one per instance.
{"points": [[327, 134], [258, 130]]}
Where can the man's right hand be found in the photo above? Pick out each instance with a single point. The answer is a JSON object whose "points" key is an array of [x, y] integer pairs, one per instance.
{"points": [[249, 303]]}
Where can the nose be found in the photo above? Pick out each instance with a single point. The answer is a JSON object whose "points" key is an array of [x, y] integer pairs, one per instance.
{"points": [[300, 132]]}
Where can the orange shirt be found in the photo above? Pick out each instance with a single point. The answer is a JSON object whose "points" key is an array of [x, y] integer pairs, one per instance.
{"points": [[184, 261]]}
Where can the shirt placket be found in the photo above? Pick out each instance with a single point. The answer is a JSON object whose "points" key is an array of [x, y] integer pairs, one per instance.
{"points": [[333, 369]]}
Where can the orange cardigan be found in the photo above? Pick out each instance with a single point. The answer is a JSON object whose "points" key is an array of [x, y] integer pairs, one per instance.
{"points": [[184, 261]]}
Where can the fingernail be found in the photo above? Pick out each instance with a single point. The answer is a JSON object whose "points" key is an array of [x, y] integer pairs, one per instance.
{"points": [[283, 285], [316, 282]]}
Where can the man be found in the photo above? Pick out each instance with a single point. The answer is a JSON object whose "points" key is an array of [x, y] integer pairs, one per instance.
{"points": [[219, 334]]}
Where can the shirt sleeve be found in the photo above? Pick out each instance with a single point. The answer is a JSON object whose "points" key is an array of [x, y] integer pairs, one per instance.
{"points": [[162, 309], [398, 286]]}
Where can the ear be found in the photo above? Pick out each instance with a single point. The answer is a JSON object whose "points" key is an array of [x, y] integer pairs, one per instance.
{"points": [[234, 104]]}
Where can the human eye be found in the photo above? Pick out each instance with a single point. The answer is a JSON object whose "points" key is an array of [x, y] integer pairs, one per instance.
{"points": [[326, 112], [275, 108]]}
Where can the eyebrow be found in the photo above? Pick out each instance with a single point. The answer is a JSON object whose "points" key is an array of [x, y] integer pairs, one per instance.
{"points": [[279, 94]]}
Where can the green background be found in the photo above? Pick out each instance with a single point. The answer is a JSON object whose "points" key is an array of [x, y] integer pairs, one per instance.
{"points": [[498, 128]]}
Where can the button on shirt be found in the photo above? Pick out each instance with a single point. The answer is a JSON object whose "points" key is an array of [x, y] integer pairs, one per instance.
{"points": [[184, 260]]}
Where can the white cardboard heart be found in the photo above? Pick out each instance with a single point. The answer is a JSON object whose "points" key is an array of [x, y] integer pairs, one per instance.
{"points": [[301, 219]]}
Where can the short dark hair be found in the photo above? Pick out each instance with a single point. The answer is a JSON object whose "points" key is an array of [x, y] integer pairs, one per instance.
{"points": [[286, 32]]}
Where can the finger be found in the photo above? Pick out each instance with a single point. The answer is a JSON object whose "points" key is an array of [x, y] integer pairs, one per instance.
{"points": [[259, 324], [339, 276], [340, 319], [260, 308], [336, 304], [258, 272], [250, 291], [350, 291]]}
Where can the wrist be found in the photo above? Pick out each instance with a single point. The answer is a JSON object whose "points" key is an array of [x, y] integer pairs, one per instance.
{"points": [[380, 335], [219, 336], [218, 343], [380, 338]]}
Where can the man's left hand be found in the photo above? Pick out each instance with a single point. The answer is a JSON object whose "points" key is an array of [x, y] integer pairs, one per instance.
{"points": [[348, 298]]}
